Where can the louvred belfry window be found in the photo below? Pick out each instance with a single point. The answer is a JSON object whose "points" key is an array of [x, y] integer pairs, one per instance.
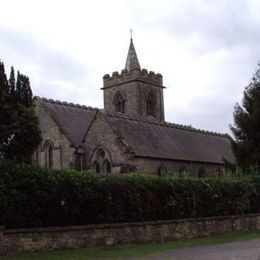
{"points": [[151, 104], [119, 104]]}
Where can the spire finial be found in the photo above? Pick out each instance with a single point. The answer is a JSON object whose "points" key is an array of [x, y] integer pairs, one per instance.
{"points": [[131, 34], [132, 62]]}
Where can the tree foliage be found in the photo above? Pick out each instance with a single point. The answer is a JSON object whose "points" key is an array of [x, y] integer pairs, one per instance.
{"points": [[246, 128], [19, 130]]}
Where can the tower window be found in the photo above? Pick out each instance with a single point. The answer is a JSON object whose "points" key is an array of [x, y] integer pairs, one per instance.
{"points": [[151, 104], [119, 103]]}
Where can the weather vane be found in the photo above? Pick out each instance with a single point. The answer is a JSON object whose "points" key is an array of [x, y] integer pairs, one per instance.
{"points": [[131, 33]]}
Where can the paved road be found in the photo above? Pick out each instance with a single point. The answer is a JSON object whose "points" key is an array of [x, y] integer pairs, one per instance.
{"points": [[240, 250]]}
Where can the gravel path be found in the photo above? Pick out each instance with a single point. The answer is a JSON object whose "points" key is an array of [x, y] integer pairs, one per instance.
{"points": [[240, 250]]}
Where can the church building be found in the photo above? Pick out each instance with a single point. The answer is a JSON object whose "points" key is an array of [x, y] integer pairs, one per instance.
{"points": [[129, 135]]}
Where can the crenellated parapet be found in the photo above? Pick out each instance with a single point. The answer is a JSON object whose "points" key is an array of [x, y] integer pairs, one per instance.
{"points": [[136, 75]]}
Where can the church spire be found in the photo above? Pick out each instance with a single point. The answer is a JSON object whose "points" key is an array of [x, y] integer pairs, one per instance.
{"points": [[132, 62]]}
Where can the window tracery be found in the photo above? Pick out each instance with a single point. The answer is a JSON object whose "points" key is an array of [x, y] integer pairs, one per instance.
{"points": [[120, 103], [101, 161], [151, 104]]}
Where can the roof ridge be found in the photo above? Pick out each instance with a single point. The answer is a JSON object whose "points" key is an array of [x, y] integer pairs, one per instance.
{"points": [[65, 103], [169, 124]]}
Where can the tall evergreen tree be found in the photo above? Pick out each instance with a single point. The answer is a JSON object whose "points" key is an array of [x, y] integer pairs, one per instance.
{"points": [[23, 90], [5, 109], [19, 127], [4, 87], [12, 82], [246, 128], [18, 87], [26, 92]]}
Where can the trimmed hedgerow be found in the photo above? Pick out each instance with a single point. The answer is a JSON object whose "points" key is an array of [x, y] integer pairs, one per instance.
{"points": [[32, 196]]}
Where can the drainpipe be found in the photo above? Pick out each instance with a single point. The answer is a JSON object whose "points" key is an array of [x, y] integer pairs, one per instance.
{"points": [[81, 151]]}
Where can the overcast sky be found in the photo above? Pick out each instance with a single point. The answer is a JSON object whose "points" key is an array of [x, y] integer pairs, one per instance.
{"points": [[206, 50]]}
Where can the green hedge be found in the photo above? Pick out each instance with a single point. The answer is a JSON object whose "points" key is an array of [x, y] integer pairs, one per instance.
{"points": [[32, 196]]}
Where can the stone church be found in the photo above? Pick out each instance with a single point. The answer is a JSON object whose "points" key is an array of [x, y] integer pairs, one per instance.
{"points": [[129, 134]]}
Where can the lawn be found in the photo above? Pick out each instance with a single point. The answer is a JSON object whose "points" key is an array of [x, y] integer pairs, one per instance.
{"points": [[131, 250]]}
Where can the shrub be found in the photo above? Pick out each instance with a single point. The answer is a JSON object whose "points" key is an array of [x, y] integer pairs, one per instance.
{"points": [[31, 196]]}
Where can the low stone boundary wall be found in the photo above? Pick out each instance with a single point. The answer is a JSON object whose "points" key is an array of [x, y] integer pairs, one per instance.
{"points": [[69, 237]]}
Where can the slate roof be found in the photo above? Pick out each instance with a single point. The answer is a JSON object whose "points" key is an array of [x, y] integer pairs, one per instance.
{"points": [[73, 119], [170, 141], [144, 138]]}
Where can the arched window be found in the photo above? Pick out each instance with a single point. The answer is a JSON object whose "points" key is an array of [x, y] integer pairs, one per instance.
{"points": [[101, 160], [202, 172], [100, 153], [151, 104], [48, 154], [106, 167], [50, 157], [219, 171], [120, 103], [96, 167], [183, 169], [162, 171]]}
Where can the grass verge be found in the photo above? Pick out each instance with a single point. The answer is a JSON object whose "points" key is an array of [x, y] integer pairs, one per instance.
{"points": [[132, 250]]}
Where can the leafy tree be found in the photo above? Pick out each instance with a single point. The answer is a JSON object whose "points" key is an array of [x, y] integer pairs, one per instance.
{"points": [[246, 128], [19, 128]]}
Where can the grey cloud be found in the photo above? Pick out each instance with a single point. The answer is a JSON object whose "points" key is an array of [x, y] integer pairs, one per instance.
{"points": [[218, 118], [206, 113], [54, 65], [228, 26], [219, 24]]}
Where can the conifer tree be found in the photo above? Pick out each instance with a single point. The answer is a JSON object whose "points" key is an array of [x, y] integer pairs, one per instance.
{"points": [[5, 109], [246, 128], [12, 82], [18, 87], [19, 126], [4, 88], [26, 92], [23, 90]]}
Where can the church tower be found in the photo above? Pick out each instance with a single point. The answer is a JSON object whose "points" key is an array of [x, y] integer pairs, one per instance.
{"points": [[134, 92]]}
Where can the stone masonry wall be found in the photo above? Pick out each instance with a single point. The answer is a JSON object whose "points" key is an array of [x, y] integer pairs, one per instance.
{"points": [[135, 87], [132, 97], [63, 153], [57, 238], [151, 165], [100, 134]]}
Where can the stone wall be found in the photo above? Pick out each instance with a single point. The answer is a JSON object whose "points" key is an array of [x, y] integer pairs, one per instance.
{"points": [[101, 135], [63, 153], [54, 238], [152, 165], [135, 88]]}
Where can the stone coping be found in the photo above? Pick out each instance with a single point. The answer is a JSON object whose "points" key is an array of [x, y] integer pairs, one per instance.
{"points": [[120, 225]]}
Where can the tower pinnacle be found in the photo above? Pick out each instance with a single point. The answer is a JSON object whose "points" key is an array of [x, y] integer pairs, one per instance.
{"points": [[132, 62]]}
